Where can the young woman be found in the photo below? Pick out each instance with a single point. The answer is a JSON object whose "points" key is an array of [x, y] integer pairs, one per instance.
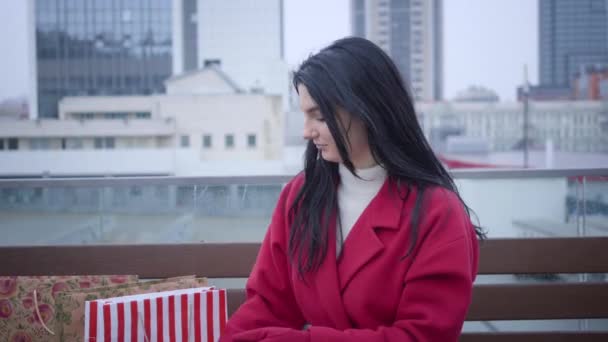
{"points": [[371, 242]]}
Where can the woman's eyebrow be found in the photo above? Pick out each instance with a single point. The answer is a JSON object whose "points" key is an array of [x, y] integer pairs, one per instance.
{"points": [[312, 109]]}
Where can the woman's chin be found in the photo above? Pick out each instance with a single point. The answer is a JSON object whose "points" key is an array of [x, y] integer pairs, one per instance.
{"points": [[330, 157]]}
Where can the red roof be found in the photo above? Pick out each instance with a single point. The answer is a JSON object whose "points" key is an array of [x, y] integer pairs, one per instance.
{"points": [[459, 164]]}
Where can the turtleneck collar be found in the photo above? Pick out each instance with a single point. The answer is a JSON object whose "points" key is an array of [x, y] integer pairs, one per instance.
{"points": [[371, 178]]}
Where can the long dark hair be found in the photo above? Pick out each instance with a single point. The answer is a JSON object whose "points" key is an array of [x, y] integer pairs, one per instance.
{"points": [[356, 75]]}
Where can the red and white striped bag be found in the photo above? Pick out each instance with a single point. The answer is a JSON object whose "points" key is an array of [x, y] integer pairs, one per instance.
{"points": [[190, 315]]}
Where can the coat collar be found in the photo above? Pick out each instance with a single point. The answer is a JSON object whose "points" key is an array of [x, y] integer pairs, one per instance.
{"points": [[362, 243]]}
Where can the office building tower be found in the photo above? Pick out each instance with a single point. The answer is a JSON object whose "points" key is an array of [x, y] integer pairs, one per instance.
{"points": [[97, 47], [410, 31], [573, 35]]}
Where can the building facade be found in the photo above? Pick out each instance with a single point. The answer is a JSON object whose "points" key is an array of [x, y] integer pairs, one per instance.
{"points": [[572, 33], [97, 47], [411, 32], [212, 129], [571, 126]]}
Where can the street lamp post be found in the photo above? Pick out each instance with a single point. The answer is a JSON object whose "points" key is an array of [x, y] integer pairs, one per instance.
{"points": [[526, 96]]}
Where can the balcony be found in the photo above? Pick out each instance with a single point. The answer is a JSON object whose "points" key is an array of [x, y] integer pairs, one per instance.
{"points": [[153, 210]]}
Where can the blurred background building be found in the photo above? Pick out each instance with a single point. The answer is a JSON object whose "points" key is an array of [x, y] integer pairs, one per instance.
{"points": [[97, 47], [411, 32], [573, 36], [190, 130]]}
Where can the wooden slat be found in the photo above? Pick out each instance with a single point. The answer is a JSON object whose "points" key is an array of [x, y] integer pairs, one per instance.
{"points": [[498, 256], [539, 301], [552, 336], [147, 261], [518, 302], [544, 255], [236, 297]]}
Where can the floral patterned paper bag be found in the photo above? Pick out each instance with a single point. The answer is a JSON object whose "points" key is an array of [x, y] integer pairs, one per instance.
{"points": [[27, 303]]}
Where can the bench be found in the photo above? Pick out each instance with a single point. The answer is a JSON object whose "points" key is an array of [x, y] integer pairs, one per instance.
{"points": [[505, 301]]}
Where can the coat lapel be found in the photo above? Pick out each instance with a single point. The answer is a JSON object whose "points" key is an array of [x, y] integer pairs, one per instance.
{"points": [[362, 244]]}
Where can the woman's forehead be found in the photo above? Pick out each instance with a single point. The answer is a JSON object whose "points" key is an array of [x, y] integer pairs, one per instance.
{"points": [[307, 103]]}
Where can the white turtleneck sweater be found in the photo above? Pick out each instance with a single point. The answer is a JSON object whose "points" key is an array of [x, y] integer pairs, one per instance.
{"points": [[354, 195]]}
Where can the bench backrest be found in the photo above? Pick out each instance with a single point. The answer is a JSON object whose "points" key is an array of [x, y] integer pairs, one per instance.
{"points": [[507, 301]]}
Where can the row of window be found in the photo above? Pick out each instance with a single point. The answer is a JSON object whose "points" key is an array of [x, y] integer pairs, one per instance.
{"points": [[110, 142], [64, 143], [100, 5], [111, 115], [9, 144], [92, 81], [229, 141]]}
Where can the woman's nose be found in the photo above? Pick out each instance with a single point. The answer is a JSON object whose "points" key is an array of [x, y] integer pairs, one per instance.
{"points": [[310, 133]]}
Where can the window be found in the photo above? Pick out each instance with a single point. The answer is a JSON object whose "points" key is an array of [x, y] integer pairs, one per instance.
{"points": [[143, 115], [229, 140], [110, 143], [13, 143], [107, 142], [1, 144], [251, 140], [212, 62], [98, 143], [207, 143], [115, 115], [184, 141], [40, 144], [73, 143]]}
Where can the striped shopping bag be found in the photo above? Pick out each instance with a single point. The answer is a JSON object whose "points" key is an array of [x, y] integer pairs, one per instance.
{"points": [[190, 315]]}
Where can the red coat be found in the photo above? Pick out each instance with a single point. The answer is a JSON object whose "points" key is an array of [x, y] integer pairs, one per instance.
{"points": [[370, 293]]}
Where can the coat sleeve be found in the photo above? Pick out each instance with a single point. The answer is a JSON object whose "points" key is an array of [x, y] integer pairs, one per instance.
{"points": [[436, 294], [270, 300]]}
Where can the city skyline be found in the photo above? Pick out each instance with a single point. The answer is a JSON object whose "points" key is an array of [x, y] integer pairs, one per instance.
{"points": [[481, 44]]}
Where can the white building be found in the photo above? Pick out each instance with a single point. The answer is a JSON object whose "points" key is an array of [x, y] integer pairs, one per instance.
{"points": [[411, 33], [205, 125], [572, 126]]}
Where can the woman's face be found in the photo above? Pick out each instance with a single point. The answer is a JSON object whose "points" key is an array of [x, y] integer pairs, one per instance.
{"points": [[317, 131]]}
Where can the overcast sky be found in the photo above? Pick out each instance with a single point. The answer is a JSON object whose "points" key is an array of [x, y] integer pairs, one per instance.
{"points": [[486, 42]]}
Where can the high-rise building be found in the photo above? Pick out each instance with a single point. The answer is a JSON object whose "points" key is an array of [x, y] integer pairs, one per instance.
{"points": [[573, 34], [97, 47], [185, 35], [243, 37], [410, 31]]}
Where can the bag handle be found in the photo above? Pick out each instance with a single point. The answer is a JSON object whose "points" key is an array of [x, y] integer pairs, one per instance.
{"points": [[39, 316]]}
